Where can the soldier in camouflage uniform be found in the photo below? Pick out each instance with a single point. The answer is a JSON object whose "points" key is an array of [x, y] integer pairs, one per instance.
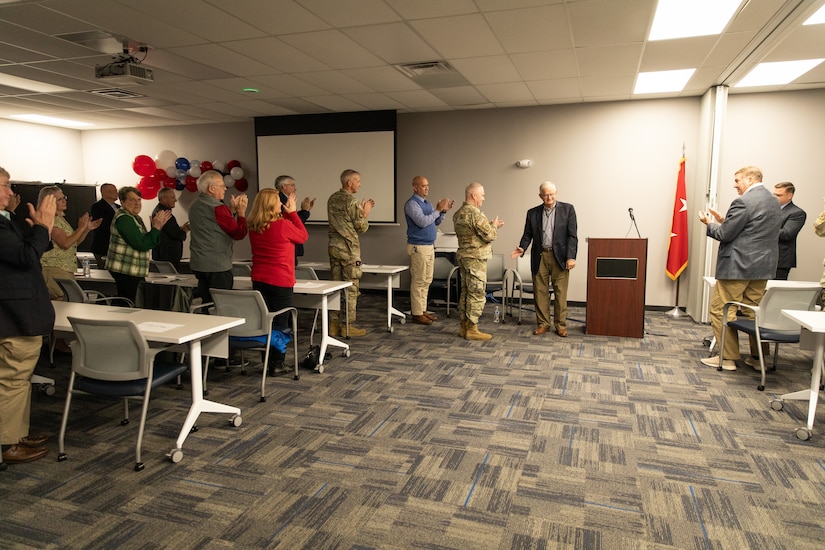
{"points": [[347, 218], [475, 236]]}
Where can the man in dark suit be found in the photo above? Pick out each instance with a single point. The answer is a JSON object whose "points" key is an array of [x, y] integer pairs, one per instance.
{"points": [[103, 209], [26, 315], [172, 235], [747, 257], [552, 228], [793, 218], [286, 186]]}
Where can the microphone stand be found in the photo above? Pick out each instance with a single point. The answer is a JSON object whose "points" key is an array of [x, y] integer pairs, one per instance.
{"points": [[633, 219]]}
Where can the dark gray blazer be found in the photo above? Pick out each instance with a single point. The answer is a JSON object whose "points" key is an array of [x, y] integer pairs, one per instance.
{"points": [[565, 234], [793, 219], [748, 243]]}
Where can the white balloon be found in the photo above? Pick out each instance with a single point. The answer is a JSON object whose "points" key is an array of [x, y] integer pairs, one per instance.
{"points": [[180, 174], [236, 173], [218, 165], [195, 171], [171, 171], [166, 158], [229, 181], [193, 163]]}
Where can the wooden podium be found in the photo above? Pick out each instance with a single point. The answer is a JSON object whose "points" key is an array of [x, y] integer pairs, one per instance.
{"points": [[616, 270]]}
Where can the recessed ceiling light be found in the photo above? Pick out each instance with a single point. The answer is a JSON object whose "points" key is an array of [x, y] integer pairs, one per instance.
{"points": [[52, 121], [777, 73], [684, 18], [30, 85], [662, 81], [816, 18]]}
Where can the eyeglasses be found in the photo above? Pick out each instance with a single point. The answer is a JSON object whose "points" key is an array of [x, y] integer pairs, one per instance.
{"points": [[546, 195], [63, 199], [6, 186]]}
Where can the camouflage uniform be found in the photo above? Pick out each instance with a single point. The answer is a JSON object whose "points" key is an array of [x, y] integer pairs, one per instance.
{"points": [[346, 221], [475, 235]]}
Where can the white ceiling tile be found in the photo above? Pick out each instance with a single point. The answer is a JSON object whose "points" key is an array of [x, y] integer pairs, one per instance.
{"points": [[506, 93], [532, 29], [336, 103], [546, 65], [289, 85], [548, 90], [335, 82], [802, 43], [607, 86], [222, 58], [394, 42], [212, 23], [374, 101], [680, 53], [351, 12], [426, 9], [459, 96], [277, 54], [606, 22], [417, 99], [728, 47], [459, 36], [487, 70], [274, 17], [608, 60], [383, 79], [333, 48], [498, 5]]}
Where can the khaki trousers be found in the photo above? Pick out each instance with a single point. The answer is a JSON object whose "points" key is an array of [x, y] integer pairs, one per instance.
{"points": [[18, 357], [550, 272], [728, 290], [422, 260]]}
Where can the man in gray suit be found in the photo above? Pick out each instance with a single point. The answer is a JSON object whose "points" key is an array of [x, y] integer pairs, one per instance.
{"points": [[747, 258], [793, 218]]}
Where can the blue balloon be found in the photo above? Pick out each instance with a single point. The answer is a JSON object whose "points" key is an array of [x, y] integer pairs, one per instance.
{"points": [[180, 185], [182, 164]]}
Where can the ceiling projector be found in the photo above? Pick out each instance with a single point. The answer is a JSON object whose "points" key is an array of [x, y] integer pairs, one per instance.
{"points": [[123, 73]]}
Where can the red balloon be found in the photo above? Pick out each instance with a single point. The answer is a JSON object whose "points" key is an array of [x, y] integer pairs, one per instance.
{"points": [[160, 174], [146, 182], [205, 166], [143, 165], [191, 183], [232, 164], [171, 183], [241, 184], [149, 192]]}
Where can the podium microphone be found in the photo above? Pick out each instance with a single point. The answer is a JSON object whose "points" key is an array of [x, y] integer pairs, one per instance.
{"points": [[633, 219]]}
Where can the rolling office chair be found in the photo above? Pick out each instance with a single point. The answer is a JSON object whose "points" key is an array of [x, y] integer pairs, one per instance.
{"points": [[256, 332], [521, 281], [496, 281], [769, 325], [159, 266], [113, 359]]}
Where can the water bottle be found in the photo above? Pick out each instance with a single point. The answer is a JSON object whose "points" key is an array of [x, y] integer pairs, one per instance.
{"points": [[497, 315], [87, 267]]}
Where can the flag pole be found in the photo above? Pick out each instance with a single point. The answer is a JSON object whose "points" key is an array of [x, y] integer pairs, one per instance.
{"points": [[676, 312], [675, 271]]}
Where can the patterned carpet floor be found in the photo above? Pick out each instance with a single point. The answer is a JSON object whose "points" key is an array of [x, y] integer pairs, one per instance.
{"points": [[423, 440]]}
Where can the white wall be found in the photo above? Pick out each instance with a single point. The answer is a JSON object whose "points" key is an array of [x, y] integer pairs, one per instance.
{"points": [[33, 152]]}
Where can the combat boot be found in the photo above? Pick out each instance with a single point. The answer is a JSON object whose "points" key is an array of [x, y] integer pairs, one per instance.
{"points": [[462, 332], [334, 329], [353, 331], [474, 334]]}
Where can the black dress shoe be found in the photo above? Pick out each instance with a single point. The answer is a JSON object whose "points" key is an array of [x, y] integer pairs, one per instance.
{"points": [[276, 368], [34, 440], [20, 453]]}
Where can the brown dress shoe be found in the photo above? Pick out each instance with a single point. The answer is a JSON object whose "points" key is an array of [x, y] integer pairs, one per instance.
{"points": [[34, 440], [561, 331], [541, 329], [21, 453], [422, 320], [431, 315]]}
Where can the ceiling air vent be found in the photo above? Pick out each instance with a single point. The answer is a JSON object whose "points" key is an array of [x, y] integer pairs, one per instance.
{"points": [[433, 74], [117, 93]]}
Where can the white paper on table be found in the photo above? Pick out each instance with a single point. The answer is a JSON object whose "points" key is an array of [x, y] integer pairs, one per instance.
{"points": [[152, 326], [308, 284]]}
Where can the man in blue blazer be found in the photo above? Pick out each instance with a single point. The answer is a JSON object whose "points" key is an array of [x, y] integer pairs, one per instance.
{"points": [[747, 257], [552, 229], [26, 315], [793, 218]]}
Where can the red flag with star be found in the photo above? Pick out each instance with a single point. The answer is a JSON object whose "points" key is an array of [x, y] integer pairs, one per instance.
{"points": [[677, 249]]}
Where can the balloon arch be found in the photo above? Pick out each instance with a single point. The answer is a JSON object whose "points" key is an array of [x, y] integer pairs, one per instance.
{"points": [[169, 170]]}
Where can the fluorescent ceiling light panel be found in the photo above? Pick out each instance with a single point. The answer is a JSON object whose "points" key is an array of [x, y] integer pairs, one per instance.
{"points": [[685, 18], [52, 121], [30, 85], [817, 18], [777, 73], [662, 81]]}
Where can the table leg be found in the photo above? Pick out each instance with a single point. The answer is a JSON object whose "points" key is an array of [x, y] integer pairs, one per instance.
{"points": [[326, 339], [199, 404], [816, 378]]}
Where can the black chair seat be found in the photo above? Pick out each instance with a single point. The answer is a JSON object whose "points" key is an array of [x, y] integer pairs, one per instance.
{"points": [[748, 326], [163, 374]]}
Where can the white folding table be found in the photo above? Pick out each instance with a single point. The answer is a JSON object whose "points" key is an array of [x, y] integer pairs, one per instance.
{"points": [[200, 333]]}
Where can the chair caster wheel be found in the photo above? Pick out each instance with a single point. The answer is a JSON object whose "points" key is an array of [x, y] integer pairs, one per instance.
{"points": [[719, 369], [62, 457], [319, 369], [193, 430], [46, 389], [803, 433], [124, 421], [139, 466], [777, 405], [390, 329], [760, 387], [175, 455], [236, 420], [296, 377], [403, 321], [346, 353]]}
